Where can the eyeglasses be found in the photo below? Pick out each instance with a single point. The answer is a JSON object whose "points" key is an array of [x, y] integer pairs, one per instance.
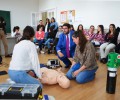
{"points": [[64, 28]]}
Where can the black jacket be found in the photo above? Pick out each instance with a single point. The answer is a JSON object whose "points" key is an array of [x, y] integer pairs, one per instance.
{"points": [[39, 26], [112, 39], [48, 27], [51, 35]]}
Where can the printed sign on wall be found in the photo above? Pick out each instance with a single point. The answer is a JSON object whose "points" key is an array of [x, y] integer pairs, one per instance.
{"points": [[67, 16]]}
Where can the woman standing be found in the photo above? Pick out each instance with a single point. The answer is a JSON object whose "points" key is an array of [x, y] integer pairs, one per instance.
{"points": [[84, 63], [47, 26], [25, 58], [54, 25]]}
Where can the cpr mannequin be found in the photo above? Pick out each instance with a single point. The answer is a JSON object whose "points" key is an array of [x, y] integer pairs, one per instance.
{"points": [[50, 76]]}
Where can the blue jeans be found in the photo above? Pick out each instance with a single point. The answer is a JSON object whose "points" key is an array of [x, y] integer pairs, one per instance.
{"points": [[83, 77], [46, 35], [34, 40], [48, 42], [22, 77]]}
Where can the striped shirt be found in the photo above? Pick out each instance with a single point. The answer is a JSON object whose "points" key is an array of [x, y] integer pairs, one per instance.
{"points": [[99, 38]]}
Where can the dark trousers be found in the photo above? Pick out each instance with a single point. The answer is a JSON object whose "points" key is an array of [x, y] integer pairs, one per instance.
{"points": [[117, 48], [65, 60], [40, 42], [55, 41]]}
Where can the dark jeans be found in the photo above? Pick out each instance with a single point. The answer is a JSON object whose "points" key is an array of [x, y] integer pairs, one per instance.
{"points": [[40, 42]]}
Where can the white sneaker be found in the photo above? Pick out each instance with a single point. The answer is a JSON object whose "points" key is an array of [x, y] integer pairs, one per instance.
{"points": [[37, 47], [42, 52], [10, 81]]}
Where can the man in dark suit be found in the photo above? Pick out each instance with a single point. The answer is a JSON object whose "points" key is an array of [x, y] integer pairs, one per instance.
{"points": [[66, 47]]}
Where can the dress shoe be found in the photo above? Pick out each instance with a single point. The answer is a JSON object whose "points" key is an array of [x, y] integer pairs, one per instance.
{"points": [[68, 66], [104, 60], [8, 55]]}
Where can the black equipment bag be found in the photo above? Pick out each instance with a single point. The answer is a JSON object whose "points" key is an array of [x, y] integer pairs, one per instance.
{"points": [[20, 91]]}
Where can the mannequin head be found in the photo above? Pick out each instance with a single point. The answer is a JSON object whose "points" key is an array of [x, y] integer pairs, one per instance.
{"points": [[63, 81]]}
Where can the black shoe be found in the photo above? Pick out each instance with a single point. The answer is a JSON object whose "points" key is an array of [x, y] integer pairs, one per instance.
{"points": [[8, 55], [101, 60], [94, 74], [48, 51], [104, 60], [68, 66]]}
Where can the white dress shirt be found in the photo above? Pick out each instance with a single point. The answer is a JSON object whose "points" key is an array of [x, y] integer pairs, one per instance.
{"points": [[25, 57]]}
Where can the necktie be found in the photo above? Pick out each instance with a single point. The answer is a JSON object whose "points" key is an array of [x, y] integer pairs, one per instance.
{"points": [[67, 46]]}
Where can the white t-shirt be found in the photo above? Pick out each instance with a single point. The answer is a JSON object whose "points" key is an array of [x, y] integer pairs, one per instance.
{"points": [[13, 34], [25, 57], [46, 27]]}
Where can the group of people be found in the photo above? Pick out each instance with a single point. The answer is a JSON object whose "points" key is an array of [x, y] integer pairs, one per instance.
{"points": [[70, 44], [78, 45], [106, 41], [45, 34], [75, 44]]}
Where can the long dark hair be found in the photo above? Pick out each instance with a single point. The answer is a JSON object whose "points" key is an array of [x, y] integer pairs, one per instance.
{"points": [[28, 33], [102, 29], [53, 19], [82, 39], [79, 26], [47, 19], [16, 28], [113, 28], [71, 26]]}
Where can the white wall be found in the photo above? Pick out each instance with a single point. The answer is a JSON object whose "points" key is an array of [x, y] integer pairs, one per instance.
{"points": [[87, 11], [20, 11]]}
